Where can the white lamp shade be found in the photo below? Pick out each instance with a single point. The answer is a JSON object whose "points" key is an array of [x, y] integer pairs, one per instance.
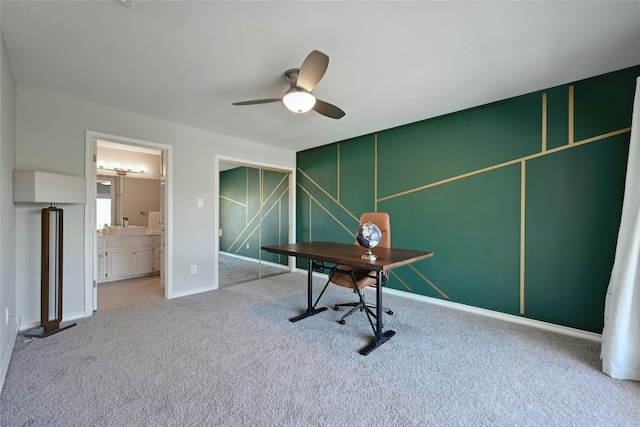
{"points": [[43, 187], [299, 100]]}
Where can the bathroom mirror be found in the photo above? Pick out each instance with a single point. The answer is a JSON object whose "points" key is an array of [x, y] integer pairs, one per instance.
{"points": [[119, 197], [106, 211]]}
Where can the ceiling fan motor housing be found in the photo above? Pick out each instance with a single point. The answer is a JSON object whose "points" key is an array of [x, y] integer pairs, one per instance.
{"points": [[292, 76]]}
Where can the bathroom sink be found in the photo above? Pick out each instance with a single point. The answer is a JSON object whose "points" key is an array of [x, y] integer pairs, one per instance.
{"points": [[131, 230]]}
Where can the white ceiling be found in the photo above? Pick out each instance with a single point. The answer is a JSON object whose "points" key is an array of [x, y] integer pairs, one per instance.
{"points": [[391, 63]]}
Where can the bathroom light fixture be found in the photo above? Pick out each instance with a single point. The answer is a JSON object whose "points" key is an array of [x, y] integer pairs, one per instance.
{"points": [[122, 171], [299, 100]]}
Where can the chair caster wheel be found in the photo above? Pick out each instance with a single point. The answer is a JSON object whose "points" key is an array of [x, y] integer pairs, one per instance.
{"points": [[342, 322], [336, 308], [390, 312]]}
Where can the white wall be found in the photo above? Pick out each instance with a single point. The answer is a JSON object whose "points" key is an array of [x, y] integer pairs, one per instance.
{"points": [[51, 137], [7, 211]]}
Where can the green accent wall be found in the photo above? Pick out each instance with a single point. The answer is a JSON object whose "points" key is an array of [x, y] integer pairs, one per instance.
{"points": [[254, 210], [519, 200]]}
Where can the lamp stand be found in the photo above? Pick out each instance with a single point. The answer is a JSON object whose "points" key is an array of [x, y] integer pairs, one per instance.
{"points": [[51, 276]]}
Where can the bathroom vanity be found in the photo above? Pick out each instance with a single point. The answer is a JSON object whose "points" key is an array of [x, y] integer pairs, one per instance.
{"points": [[125, 255]]}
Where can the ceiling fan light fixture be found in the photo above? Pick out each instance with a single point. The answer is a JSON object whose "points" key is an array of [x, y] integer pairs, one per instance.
{"points": [[299, 100]]}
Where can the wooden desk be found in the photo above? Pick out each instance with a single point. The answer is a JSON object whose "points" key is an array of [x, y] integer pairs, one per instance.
{"points": [[350, 254]]}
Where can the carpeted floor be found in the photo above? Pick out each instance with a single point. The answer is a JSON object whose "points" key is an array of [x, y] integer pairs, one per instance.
{"points": [[234, 269], [230, 357]]}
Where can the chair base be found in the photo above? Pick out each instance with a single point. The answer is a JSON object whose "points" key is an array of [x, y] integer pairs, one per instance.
{"points": [[357, 306]]}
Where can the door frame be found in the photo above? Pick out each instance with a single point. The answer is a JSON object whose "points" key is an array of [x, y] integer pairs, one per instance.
{"points": [[216, 221], [91, 236]]}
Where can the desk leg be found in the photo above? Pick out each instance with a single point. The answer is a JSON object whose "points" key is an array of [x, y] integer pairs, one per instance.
{"points": [[310, 310], [380, 337]]}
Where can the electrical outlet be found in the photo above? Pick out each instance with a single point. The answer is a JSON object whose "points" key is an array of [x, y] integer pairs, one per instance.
{"points": [[6, 318], [220, 232], [201, 203], [194, 269], [247, 246]]}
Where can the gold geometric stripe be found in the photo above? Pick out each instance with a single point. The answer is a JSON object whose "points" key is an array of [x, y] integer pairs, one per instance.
{"points": [[603, 136], [523, 174], [325, 209], [233, 201], [251, 221], [375, 172], [429, 282], [247, 224], [571, 116], [274, 204], [275, 189], [310, 219], [264, 214], [401, 281], [248, 237], [338, 171], [328, 195], [246, 195], [544, 122], [509, 163]]}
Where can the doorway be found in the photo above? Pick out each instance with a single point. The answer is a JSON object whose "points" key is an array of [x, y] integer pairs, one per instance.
{"points": [[254, 208], [128, 182]]}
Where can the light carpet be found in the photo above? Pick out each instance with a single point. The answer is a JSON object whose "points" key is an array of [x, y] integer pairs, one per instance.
{"points": [[234, 269], [230, 357]]}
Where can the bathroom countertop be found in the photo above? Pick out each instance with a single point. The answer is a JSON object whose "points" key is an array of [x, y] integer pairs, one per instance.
{"points": [[147, 233]]}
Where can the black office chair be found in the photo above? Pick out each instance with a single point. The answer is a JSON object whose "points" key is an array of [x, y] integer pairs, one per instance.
{"points": [[357, 279]]}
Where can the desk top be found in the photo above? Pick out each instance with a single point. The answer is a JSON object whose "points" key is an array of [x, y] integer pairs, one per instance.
{"points": [[350, 254]]}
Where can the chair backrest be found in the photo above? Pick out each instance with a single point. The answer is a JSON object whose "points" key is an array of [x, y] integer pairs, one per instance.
{"points": [[381, 219]]}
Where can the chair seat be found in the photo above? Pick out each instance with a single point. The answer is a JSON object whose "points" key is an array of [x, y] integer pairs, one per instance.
{"points": [[341, 276]]}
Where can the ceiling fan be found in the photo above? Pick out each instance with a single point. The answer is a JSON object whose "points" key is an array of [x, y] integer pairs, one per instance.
{"points": [[299, 97]]}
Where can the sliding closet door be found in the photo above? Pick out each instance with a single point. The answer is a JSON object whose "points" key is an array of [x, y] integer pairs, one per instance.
{"points": [[254, 211]]}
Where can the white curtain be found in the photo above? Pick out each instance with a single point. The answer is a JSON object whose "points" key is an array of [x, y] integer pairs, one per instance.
{"points": [[621, 334]]}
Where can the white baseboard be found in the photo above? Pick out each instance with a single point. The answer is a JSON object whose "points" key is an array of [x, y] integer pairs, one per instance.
{"points": [[66, 318], [192, 292], [7, 356], [565, 330]]}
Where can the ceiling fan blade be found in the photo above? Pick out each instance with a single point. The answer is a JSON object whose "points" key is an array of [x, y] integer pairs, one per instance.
{"points": [[328, 110], [257, 101], [312, 70]]}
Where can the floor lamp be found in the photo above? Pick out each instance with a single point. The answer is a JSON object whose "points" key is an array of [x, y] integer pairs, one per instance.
{"points": [[35, 187], [51, 276]]}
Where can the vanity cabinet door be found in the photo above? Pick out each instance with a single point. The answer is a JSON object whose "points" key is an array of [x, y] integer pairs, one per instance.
{"points": [[157, 250], [102, 264], [143, 260], [102, 260], [118, 262]]}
